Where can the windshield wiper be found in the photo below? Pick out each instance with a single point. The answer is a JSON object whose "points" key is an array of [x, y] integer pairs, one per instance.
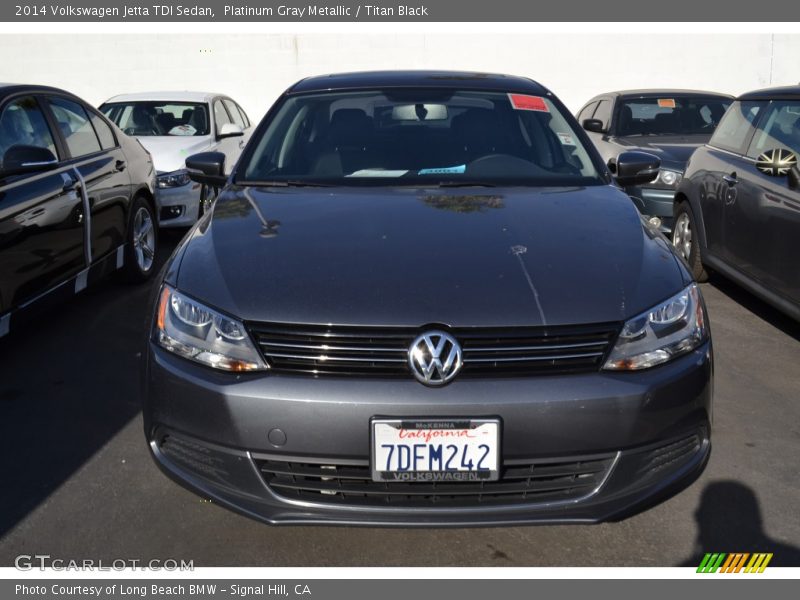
{"points": [[284, 183], [452, 184]]}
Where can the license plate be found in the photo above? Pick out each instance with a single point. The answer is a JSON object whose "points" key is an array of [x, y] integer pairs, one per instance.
{"points": [[410, 450]]}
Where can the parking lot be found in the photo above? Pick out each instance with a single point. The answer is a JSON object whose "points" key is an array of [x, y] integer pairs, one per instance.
{"points": [[78, 482]]}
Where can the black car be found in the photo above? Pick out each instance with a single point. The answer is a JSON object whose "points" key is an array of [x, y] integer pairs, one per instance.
{"points": [[668, 123], [403, 309], [76, 200], [737, 209]]}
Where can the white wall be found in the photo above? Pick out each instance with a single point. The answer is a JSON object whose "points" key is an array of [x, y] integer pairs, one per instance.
{"points": [[254, 69]]}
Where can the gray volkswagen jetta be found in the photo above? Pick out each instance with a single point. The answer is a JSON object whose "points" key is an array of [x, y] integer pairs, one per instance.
{"points": [[422, 299]]}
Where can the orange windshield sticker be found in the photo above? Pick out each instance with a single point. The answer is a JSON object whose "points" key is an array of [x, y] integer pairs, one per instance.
{"points": [[666, 102], [525, 102]]}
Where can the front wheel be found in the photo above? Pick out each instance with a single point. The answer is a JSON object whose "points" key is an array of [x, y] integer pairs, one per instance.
{"points": [[685, 241], [141, 242]]}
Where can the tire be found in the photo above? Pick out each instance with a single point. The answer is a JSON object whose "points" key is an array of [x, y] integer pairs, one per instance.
{"points": [[141, 242], [684, 239]]}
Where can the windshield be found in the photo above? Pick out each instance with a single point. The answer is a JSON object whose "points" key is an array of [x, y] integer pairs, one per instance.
{"points": [[671, 115], [159, 118], [418, 136]]}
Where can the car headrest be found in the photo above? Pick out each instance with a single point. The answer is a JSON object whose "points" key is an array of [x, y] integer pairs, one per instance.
{"points": [[349, 127]]}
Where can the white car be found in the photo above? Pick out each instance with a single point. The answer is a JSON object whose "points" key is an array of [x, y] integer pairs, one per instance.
{"points": [[172, 126]]}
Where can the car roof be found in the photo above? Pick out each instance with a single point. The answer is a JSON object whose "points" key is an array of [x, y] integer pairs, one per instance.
{"points": [[656, 92], [165, 96], [432, 79], [789, 92], [13, 88]]}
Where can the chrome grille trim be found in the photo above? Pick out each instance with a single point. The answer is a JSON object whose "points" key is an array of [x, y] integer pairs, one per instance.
{"points": [[383, 351]]}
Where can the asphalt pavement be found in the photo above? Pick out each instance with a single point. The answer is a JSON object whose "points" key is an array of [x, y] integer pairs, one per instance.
{"points": [[77, 481]]}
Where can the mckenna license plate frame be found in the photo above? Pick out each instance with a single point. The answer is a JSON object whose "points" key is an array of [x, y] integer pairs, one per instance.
{"points": [[475, 432]]}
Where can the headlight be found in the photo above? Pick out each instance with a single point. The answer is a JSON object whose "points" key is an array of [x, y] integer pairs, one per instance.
{"points": [[175, 179], [664, 332], [668, 177], [189, 329]]}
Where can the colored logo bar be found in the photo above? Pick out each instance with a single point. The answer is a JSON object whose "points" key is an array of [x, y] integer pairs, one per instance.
{"points": [[736, 562]]}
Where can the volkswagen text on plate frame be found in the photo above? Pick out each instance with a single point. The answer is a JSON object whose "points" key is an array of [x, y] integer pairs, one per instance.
{"points": [[353, 335]]}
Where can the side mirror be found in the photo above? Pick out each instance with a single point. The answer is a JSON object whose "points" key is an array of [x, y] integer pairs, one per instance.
{"points": [[229, 130], [207, 168], [636, 168], [780, 162], [594, 125], [22, 158]]}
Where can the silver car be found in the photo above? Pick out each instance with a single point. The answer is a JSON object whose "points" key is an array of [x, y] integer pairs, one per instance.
{"points": [[172, 126]]}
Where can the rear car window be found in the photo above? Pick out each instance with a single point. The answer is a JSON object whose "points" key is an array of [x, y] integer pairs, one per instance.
{"points": [[75, 127], [103, 132]]}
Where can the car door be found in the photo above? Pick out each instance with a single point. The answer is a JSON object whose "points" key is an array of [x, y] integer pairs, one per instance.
{"points": [[718, 184], [41, 209], [762, 223], [93, 150]]}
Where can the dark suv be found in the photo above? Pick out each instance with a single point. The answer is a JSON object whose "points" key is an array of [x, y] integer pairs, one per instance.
{"points": [[737, 209], [668, 123], [404, 309], [76, 200]]}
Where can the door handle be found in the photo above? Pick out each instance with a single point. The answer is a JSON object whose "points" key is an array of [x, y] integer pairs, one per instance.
{"points": [[730, 179], [119, 165]]}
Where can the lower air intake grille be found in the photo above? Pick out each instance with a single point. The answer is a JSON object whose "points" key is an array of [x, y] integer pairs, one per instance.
{"points": [[528, 483]]}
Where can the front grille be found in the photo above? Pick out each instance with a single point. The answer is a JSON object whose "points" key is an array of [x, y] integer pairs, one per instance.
{"points": [[383, 351], [525, 483]]}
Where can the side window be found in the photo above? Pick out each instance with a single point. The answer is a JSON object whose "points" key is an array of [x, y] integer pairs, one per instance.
{"points": [[107, 140], [778, 128], [220, 115], [22, 123], [603, 112], [231, 106], [75, 127], [587, 112], [736, 126], [245, 118]]}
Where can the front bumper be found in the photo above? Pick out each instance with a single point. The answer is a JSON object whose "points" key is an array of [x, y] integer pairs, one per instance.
{"points": [[210, 432], [178, 206]]}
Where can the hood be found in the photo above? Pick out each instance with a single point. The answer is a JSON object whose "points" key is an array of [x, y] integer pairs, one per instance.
{"points": [[405, 257], [673, 150], [170, 151]]}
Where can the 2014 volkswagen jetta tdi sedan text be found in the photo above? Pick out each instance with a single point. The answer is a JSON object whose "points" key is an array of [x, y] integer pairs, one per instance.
{"points": [[421, 299]]}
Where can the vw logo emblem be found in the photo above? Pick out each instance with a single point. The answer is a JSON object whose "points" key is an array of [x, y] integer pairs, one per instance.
{"points": [[435, 358]]}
